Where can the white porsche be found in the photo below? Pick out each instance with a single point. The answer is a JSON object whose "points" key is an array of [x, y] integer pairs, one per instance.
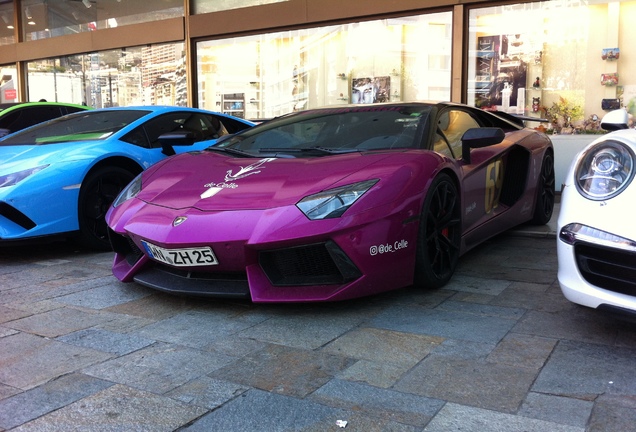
{"points": [[596, 245]]}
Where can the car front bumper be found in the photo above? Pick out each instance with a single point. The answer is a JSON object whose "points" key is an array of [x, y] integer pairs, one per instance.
{"points": [[274, 255], [596, 250]]}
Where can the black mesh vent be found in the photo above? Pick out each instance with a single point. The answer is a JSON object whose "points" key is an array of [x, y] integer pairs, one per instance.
{"points": [[606, 268], [317, 264]]}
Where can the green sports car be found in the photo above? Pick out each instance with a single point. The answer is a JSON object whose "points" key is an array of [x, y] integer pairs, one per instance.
{"points": [[21, 115]]}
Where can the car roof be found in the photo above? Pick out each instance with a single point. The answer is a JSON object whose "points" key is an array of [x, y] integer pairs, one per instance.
{"points": [[15, 105], [503, 120]]}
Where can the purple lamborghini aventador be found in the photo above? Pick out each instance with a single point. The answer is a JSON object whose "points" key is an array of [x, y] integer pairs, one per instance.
{"points": [[333, 203]]}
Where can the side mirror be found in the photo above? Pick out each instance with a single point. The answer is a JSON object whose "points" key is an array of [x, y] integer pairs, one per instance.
{"points": [[480, 137], [169, 140], [615, 120]]}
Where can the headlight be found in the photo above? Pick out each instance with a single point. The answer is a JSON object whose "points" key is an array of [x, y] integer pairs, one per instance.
{"points": [[16, 177], [129, 192], [333, 203], [604, 170]]}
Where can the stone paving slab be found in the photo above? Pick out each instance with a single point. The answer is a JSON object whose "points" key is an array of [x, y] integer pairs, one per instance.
{"points": [[158, 368], [117, 408], [31, 404], [443, 323], [284, 370], [402, 407], [497, 349], [260, 411], [27, 360], [456, 418]]}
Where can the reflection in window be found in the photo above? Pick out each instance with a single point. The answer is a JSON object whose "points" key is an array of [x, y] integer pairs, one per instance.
{"points": [[149, 75], [376, 61], [205, 6], [7, 25], [45, 19], [8, 84], [526, 56]]}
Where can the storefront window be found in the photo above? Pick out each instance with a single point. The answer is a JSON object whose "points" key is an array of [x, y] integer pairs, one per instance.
{"points": [[6, 24], [150, 75], [377, 61], [8, 84], [44, 19], [205, 6], [561, 60]]}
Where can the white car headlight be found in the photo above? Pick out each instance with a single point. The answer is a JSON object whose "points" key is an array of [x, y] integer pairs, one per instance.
{"points": [[333, 203], [16, 177], [604, 170], [129, 192]]}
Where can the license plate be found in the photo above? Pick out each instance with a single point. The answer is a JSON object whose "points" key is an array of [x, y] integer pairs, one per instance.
{"points": [[185, 257]]}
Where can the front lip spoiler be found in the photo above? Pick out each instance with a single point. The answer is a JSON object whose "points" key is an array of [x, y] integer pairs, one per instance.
{"points": [[154, 277], [579, 233]]}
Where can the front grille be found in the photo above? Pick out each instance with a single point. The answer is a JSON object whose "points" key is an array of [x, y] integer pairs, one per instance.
{"points": [[610, 269], [316, 264], [16, 216]]}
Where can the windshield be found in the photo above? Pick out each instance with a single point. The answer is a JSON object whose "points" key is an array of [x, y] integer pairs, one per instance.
{"points": [[335, 130], [84, 126]]}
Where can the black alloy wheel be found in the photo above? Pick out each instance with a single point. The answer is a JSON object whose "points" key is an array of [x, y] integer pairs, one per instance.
{"points": [[439, 236], [544, 204], [99, 190]]}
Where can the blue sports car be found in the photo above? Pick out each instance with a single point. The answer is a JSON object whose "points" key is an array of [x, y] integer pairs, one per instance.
{"points": [[58, 178]]}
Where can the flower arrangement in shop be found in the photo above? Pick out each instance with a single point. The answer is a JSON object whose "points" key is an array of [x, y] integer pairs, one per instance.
{"points": [[562, 115]]}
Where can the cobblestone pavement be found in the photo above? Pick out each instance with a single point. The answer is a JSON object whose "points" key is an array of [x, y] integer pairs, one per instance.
{"points": [[498, 349]]}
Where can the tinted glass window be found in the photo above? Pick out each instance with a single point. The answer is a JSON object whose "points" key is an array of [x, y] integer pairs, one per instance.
{"points": [[89, 125], [58, 18], [338, 129], [29, 116], [201, 126], [72, 109], [452, 125]]}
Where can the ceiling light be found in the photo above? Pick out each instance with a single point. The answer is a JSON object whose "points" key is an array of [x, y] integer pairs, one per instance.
{"points": [[87, 3], [7, 21], [27, 12]]}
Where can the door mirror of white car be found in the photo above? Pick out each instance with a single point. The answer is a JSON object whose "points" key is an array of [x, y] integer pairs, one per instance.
{"points": [[480, 137], [615, 120]]}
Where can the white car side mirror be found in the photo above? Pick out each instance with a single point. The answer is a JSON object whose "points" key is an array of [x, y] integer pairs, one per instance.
{"points": [[615, 120]]}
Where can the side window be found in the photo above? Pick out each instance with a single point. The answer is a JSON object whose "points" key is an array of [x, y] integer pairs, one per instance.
{"points": [[148, 134], [30, 116], [229, 125], [137, 137], [452, 125], [70, 109], [8, 121]]}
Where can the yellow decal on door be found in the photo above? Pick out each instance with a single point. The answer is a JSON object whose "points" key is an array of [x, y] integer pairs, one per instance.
{"points": [[494, 180]]}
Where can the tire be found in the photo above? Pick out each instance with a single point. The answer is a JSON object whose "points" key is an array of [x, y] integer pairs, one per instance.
{"points": [[439, 236], [99, 189], [544, 203]]}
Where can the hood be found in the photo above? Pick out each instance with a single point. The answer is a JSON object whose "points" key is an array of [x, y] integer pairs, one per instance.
{"points": [[18, 157], [214, 182]]}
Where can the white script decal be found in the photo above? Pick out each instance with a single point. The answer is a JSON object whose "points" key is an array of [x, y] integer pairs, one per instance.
{"points": [[214, 188]]}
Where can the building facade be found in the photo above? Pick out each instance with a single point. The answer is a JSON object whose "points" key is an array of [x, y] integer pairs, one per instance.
{"points": [[565, 60]]}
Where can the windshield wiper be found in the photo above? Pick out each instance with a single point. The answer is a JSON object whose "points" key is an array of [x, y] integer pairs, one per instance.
{"points": [[317, 149], [230, 150]]}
